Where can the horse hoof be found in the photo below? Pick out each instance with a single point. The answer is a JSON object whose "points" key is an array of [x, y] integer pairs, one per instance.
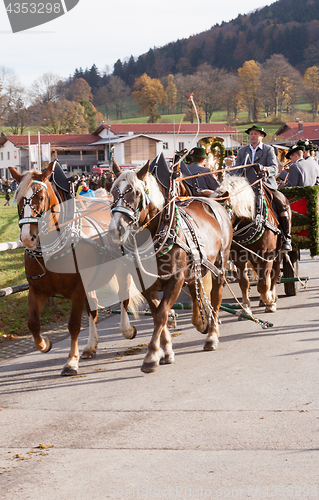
{"points": [[211, 345], [134, 333], [88, 354], [168, 359], [48, 345], [270, 308], [171, 323], [261, 304], [149, 367], [69, 372], [130, 334]]}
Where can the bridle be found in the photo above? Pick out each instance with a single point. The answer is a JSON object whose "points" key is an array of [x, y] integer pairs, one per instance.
{"points": [[28, 202], [126, 208]]}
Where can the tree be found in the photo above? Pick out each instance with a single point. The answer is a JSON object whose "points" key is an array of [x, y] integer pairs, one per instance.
{"points": [[149, 94], [311, 88], [210, 85], [90, 115], [79, 90], [118, 92], [45, 89], [171, 92], [280, 82], [249, 83], [102, 98], [63, 117]]}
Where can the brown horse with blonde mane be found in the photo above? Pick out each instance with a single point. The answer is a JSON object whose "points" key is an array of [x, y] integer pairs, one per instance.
{"points": [[41, 202], [190, 240]]}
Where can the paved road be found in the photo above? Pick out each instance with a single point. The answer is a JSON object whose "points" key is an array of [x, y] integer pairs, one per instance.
{"points": [[241, 422]]}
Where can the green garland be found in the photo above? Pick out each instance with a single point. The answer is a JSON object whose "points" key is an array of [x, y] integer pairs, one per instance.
{"points": [[309, 221], [213, 147]]}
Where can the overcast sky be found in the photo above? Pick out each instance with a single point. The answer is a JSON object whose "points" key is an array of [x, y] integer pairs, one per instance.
{"points": [[101, 32]]}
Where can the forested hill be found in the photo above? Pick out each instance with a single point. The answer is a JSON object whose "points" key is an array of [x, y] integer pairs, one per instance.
{"points": [[288, 27]]}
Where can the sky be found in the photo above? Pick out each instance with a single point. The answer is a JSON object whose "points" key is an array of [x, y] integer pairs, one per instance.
{"points": [[101, 32]]}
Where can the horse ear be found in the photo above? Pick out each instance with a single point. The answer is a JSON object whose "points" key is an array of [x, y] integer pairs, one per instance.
{"points": [[116, 169], [48, 171], [15, 174], [141, 174]]}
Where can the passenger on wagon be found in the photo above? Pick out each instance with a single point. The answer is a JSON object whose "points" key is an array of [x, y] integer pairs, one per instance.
{"points": [[302, 171], [261, 159], [199, 158]]}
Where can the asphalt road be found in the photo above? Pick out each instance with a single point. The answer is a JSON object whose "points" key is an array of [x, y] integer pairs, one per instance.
{"points": [[240, 422]]}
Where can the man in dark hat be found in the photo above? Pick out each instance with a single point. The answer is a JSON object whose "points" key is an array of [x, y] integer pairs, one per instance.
{"points": [[199, 158], [302, 171], [261, 159]]}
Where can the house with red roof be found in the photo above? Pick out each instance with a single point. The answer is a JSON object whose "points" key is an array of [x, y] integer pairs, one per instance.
{"points": [[290, 133], [127, 144], [171, 136]]}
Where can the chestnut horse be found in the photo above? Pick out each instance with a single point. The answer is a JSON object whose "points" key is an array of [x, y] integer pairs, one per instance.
{"points": [[190, 240], [258, 245], [41, 200]]}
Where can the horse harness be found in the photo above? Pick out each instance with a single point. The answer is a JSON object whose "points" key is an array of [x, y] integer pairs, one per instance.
{"points": [[250, 233]]}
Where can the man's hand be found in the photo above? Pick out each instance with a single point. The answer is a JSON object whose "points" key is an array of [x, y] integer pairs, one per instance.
{"points": [[258, 168]]}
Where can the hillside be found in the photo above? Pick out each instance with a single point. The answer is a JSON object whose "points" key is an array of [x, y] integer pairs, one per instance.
{"points": [[288, 27]]}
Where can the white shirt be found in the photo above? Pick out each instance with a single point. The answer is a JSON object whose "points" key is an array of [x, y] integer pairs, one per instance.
{"points": [[254, 151]]}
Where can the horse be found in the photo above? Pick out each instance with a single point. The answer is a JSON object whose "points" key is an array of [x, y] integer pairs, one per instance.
{"points": [[190, 239], [257, 239], [39, 198]]}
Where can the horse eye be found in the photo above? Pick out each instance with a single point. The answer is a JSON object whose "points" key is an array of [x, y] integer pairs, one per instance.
{"points": [[41, 198]]}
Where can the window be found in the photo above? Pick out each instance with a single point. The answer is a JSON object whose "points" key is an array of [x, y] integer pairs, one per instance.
{"points": [[1, 156], [165, 145], [180, 146], [8, 153]]}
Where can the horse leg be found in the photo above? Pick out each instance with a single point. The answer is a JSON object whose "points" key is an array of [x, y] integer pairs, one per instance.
{"points": [[243, 281], [36, 303], [89, 350], [196, 316], [160, 346], [274, 272], [125, 283], [216, 297], [74, 326], [264, 287]]}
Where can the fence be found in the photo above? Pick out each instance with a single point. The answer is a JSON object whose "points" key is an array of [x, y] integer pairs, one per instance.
{"points": [[4, 292]]}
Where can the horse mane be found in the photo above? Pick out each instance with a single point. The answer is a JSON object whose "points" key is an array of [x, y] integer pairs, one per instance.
{"points": [[242, 197], [151, 185], [25, 184]]}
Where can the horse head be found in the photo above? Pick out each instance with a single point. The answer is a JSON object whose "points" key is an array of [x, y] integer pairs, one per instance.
{"points": [[137, 198], [35, 196]]}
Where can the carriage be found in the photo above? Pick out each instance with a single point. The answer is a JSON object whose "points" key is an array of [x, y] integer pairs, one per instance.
{"points": [[304, 204]]}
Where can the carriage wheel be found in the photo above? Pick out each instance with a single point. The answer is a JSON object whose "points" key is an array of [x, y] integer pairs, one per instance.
{"points": [[291, 288]]}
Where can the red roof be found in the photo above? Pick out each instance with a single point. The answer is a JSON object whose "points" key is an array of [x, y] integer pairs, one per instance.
{"points": [[300, 131], [167, 128], [53, 139]]}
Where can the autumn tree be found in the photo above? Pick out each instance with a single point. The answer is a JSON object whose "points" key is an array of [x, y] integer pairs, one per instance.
{"points": [[62, 117], [171, 92], [231, 99], [79, 90], [90, 114], [311, 88], [249, 84], [149, 94]]}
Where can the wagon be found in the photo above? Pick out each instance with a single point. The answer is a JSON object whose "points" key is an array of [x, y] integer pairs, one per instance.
{"points": [[304, 203]]}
